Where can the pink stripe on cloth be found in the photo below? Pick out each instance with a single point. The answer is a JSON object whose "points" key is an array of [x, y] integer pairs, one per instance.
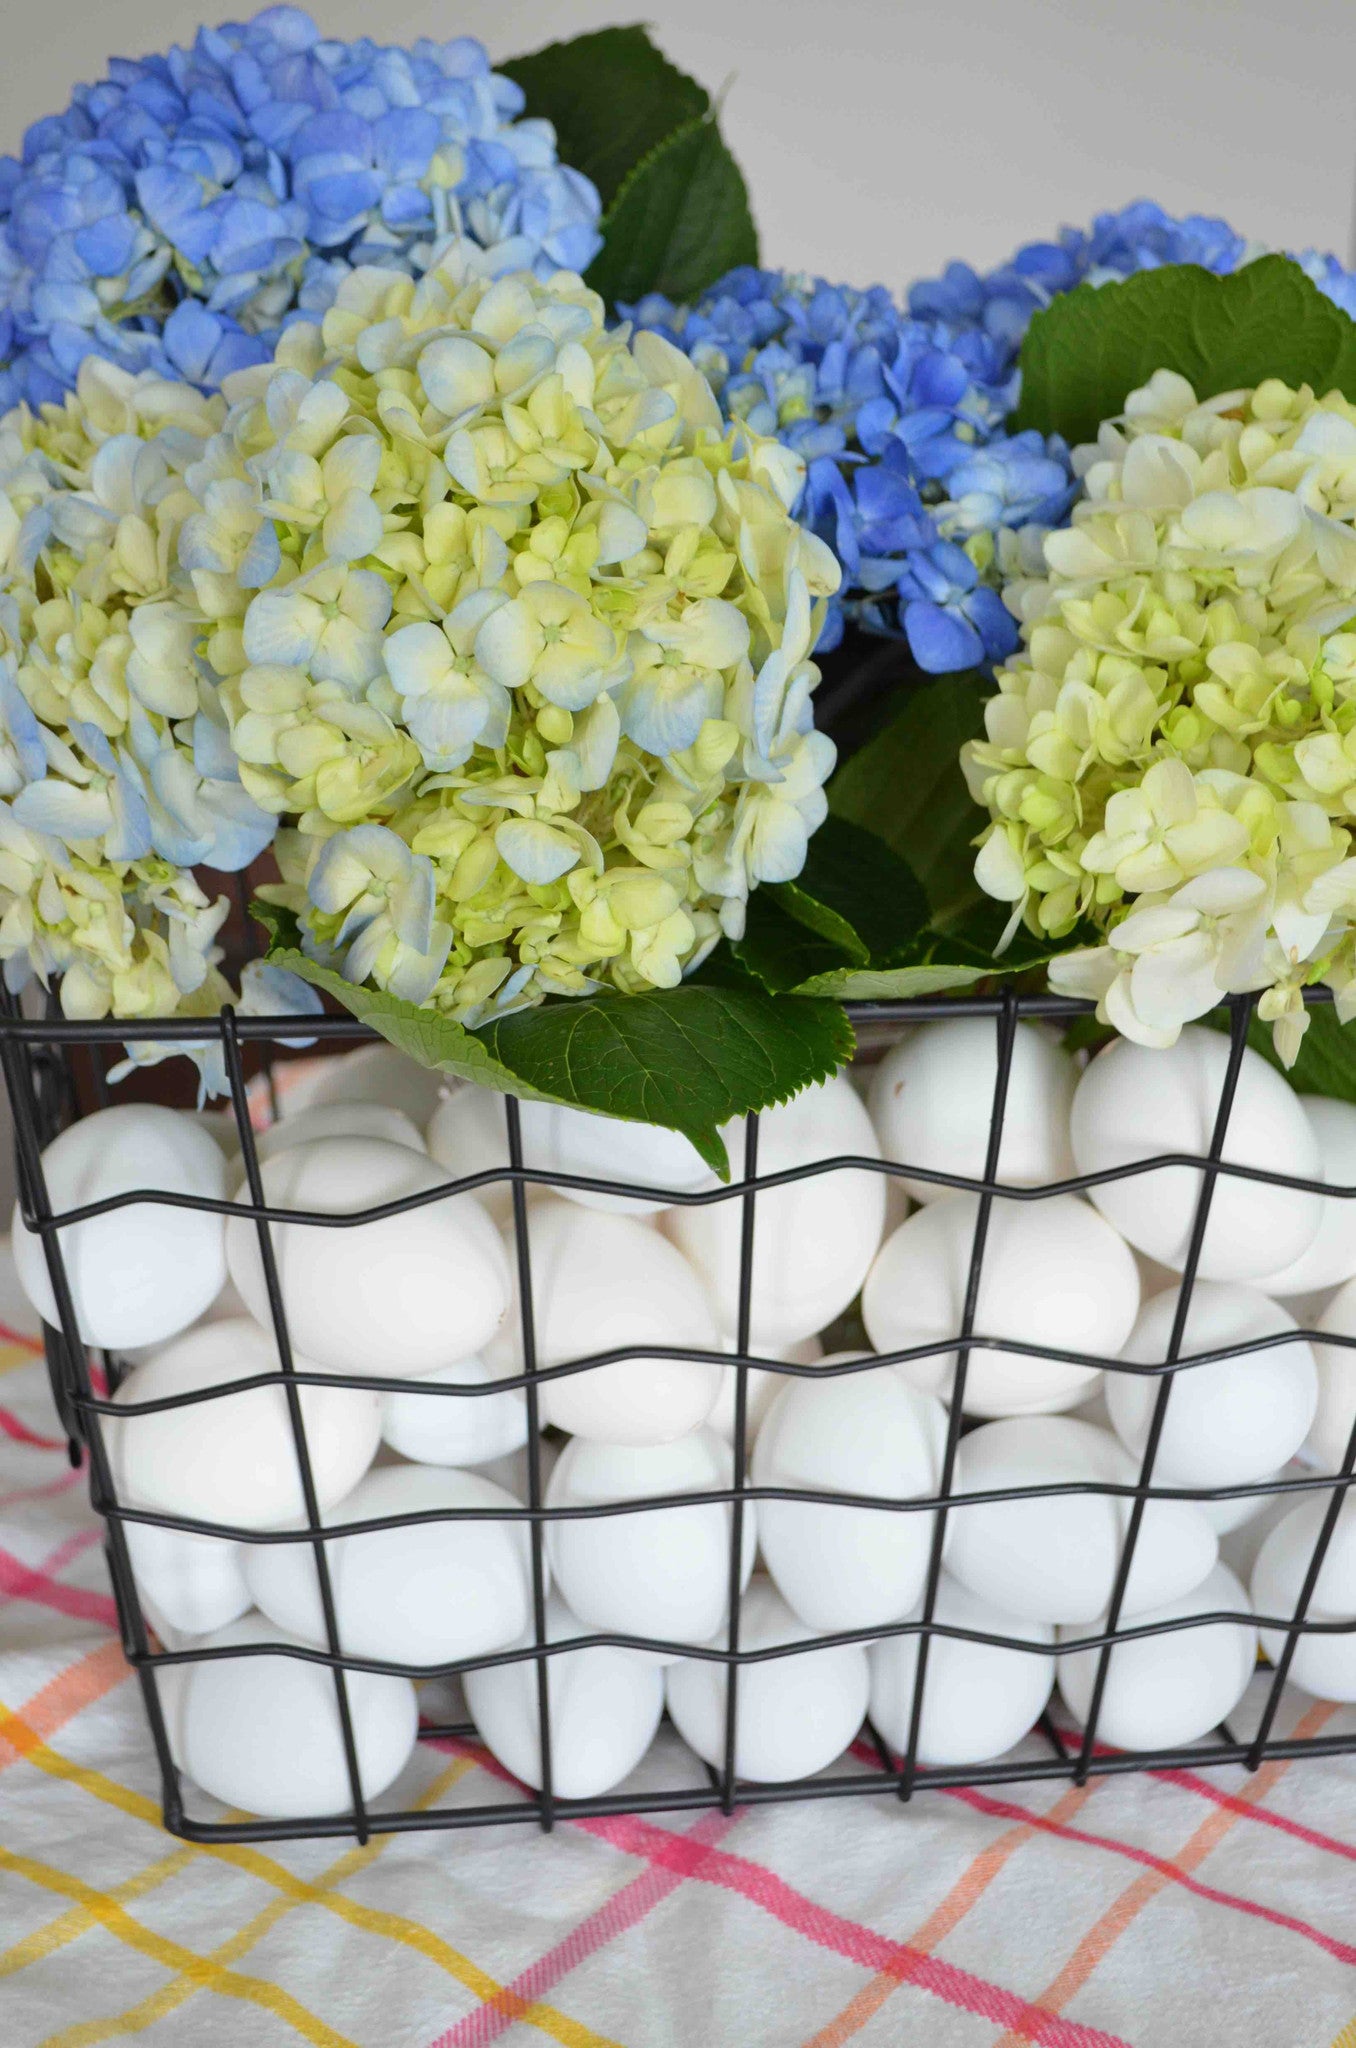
{"points": [[20, 1433], [624, 1910], [847, 1938], [20, 1581], [1187, 1781], [1008, 1809]]}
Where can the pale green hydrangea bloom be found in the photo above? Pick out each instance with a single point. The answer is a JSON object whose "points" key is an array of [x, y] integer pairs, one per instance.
{"points": [[116, 775], [1172, 755], [513, 632]]}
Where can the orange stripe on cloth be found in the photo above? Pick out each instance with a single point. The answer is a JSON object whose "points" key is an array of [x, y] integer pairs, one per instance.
{"points": [[90, 1678], [966, 1893], [1119, 1917], [172, 1955]]}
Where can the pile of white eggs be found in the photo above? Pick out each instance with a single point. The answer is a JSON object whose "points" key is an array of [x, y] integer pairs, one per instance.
{"points": [[428, 1296]]}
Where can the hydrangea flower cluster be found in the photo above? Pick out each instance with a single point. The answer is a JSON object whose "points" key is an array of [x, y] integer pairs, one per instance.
{"points": [[1172, 755], [513, 629], [183, 208], [116, 771], [911, 475]]}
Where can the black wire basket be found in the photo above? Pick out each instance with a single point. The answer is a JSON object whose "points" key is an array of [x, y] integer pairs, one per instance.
{"points": [[54, 1070]]}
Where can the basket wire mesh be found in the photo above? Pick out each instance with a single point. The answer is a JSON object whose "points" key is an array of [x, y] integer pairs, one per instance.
{"points": [[45, 1082]]}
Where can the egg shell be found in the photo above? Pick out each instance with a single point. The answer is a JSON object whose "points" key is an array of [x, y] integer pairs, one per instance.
{"points": [[604, 1706], [263, 1732], [1240, 1544], [793, 1715], [1165, 1690], [443, 1429], [932, 1095], [1054, 1273], [421, 1593], [559, 1139], [141, 1274], [1227, 1422], [1335, 1414], [599, 1283], [1324, 1665], [978, 1700], [378, 1073], [467, 1134], [1233, 1514], [659, 1572], [1330, 1260], [1054, 1559], [194, 1582], [400, 1296], [840, 1567], [1136, 1102], [232, 1459], [339, 1120], [763, 1388], [513, 1471], [813, 1239]]}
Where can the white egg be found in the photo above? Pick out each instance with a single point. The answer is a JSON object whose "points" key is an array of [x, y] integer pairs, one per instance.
{"points": [[793, 1715], [399, 1296], [263, 1732], [339, 1120], [1240, 1544], [514, 1473], [448, 1429], [378, 1073], [1137, 1102], [657, 1572], [842, 1567], [419, 1593], [1330, 1259], [141, 1274], [232, 1459], [1054, 1273], [1168, 1689], [978, 1700], [1236, 1511], [1324, 1665], [1335, 1416], [467, 1134], [813, 1239], [194, 1582], [604, 1706], [762, 1388], [1055, 1558], [932, 1101], [1227, 1422], [599, 1283], [557, 1139]]}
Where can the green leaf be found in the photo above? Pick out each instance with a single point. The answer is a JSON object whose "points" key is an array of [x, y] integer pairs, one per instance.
{"points": [[893, 984], [906, 786], [1327, 1054], [612, 98], [854, 889], [785, 954], [679, 221], [690, 1058], [1089, 348]]}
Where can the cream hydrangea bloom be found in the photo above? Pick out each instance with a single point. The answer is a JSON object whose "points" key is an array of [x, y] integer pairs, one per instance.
{"points": [[514, 633], [1172, 755], [116, 772]]}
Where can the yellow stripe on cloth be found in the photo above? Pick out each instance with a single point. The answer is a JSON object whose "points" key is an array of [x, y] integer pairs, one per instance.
{"points": [[171, 1954], [170, 1997], [1347, 2037], [69, 1926], [395, 1927]]}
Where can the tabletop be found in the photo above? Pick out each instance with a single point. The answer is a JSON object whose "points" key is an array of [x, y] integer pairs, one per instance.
{"points": [[1160, 1910]]}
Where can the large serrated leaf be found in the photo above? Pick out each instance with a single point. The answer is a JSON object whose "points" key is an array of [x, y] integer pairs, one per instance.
{"points": [[612, 98], [906, 786], [854, 907], [1090, 348], [690, 1058], [679, 221]]}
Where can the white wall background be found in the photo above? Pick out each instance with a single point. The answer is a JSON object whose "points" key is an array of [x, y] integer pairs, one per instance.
{"points": [[881, 137]]}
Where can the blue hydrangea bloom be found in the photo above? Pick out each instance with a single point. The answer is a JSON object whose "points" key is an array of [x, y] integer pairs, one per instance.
{"points": [[900, 414], [186, 206], [900, 419]]}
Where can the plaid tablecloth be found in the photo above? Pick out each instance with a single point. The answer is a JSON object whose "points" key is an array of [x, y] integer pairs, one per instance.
{"points": [[1162, 1911]]}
